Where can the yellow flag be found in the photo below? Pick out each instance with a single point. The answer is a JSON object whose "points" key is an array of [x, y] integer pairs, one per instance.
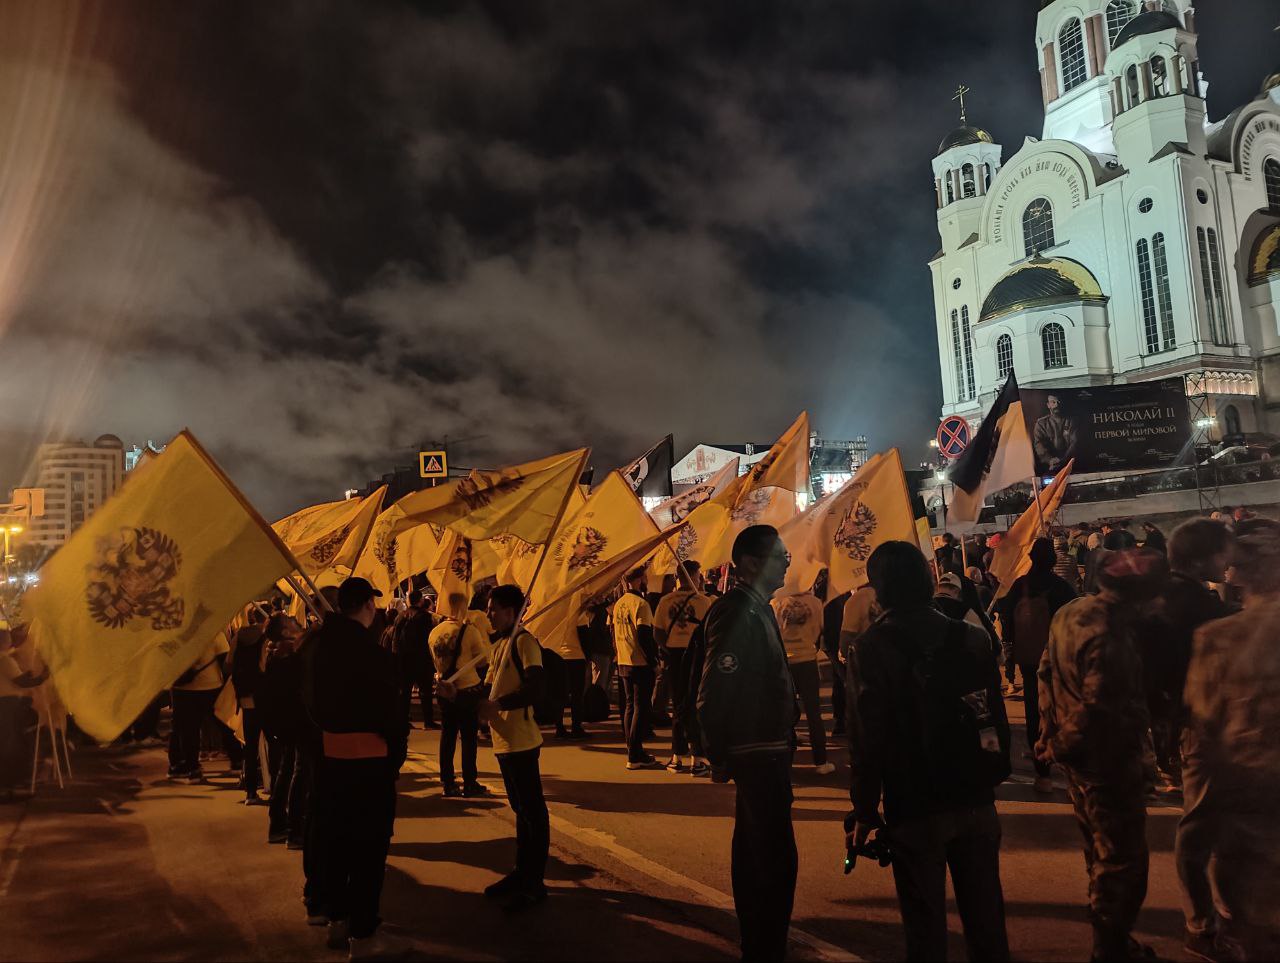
{"points": [[522, 500], [394, 550], [785, 466], [611, 521], [458, 565], [840, 532], [331, 535], [129, 602], [1011, 559], [517, 558]]}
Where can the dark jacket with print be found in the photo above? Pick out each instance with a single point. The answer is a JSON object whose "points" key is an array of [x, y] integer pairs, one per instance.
{"points": [[746, 700]]}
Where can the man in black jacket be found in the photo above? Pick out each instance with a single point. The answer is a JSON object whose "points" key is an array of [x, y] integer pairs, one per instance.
{"points": [[747, 710], [352, 697], [928, 730], [411, 634]]}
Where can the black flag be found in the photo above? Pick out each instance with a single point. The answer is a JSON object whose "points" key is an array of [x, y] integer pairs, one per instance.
{"points": [[650, 475]]}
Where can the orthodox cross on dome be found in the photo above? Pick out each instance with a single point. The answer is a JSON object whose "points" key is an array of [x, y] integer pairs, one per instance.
{"points": [[959, 95]]}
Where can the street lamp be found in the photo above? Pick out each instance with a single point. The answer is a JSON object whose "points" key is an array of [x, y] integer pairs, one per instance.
{"points": [[9, 530], [941, 477]]}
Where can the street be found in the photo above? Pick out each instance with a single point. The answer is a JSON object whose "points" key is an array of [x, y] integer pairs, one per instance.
{"points": [[122, 864]]}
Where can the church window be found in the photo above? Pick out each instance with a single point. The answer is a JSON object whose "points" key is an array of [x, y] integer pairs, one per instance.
{"points": [[1053, 339], [1131, 86], [1271, 177], [1171, 7], [1231, 420], [1159, 76], [951, 191], [1211, 278], [1075, 67], [955, 284], [1215, 265], [1145, 205], [958, 352], [1150, 328], [1037, 226], [1119, 13], [1160, 258], [969, 186], [968, 351], [1004, 356], [1201, 196]]}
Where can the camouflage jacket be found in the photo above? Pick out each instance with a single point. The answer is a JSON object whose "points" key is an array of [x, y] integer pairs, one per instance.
{"points": [[1093, 708], [1233, 703]]}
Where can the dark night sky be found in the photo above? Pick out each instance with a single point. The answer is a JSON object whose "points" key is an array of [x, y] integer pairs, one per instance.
{"points": [[319, 233]]}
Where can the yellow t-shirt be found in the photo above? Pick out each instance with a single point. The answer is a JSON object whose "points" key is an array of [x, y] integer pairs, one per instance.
{"points": [[678, 616], [444, 639], [629, 613], [860, 611], [800, 622], [209, 677], [513, 730], [481, 621]]}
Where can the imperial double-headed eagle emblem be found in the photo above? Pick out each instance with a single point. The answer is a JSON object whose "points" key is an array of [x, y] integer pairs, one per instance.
{"points": [[752, 506], [687, 542], [131, 580], [478, 489], [587, 548], [794, 613], [384, 548], [460, 563], [323, 551], [854, 534]]}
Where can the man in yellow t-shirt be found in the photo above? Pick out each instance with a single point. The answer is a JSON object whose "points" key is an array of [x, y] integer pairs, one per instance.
{"points": [[517, 680], [800, 623], [458, 647], [637, 659], [679, 615], [193, 695]]}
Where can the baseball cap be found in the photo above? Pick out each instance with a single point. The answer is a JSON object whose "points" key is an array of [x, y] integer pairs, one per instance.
{"points": [[950, 584], [355, 592]]}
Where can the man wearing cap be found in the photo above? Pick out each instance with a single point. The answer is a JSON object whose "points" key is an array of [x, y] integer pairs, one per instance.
{"points": [[352, 697], [1093, 723]]}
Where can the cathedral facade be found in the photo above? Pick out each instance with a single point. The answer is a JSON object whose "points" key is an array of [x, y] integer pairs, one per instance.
{"points": [[1134, 240]]}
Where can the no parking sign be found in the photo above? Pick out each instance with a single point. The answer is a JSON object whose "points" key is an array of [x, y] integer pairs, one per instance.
{"points": [[954, 435]]}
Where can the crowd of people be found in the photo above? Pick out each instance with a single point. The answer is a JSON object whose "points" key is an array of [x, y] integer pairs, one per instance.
{"points": [[1146, 667]]}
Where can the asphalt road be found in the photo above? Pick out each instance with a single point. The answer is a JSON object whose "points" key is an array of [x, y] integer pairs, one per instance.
{"points": [[124, 865]]}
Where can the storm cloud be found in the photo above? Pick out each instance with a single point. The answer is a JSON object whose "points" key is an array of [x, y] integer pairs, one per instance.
{"points": [[319, 234]]}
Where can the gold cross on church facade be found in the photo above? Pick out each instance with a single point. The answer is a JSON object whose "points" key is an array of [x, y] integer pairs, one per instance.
{"points": [[959, 95]]}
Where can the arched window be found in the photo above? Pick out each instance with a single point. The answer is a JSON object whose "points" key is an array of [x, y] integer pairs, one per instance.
{"points": [[1004, 356], [1075, 67], [951, 190], [1131, 86], [1150, 327], [958, 352], [1230, 421], [1119, 13], [1053, 339], [1211, 278], [968, 185], [968, 352], [1159, 76], [1160, 259], [1215, 265], [1271, 177], [1171, 7], [1037, 226]]}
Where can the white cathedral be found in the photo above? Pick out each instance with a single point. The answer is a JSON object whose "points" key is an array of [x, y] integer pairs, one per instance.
{"points": [[1135, 240]]}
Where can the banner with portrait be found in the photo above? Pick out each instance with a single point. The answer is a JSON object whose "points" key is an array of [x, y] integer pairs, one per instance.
{"points": [[1108, 427]]}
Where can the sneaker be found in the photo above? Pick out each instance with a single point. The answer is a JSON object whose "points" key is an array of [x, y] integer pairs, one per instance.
{"points": [[451, 791], [525, 896], [647, 762], [430, 725], [1203, 946], [381, 946], [274, 838], [473, 790], [502, 887], [674, 764], [294, 844], [1043, 784], [576, 734], [701, 768], [826, 769], [255, 800], [192, 778], [339, 932], [317, 919]]}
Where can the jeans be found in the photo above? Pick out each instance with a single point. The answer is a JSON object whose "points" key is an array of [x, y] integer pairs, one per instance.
{"points": [[837, 687], [575, 671], [458, 720], [356, 808], [1201, 830], [805, 676], [966, 841], [1031, 707], [637, 694], [673, 661], [764, 854], [523, 781], [251, 767], [289, 790], [190, 709]]}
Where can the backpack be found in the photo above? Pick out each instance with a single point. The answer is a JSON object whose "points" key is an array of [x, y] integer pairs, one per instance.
{"points": [[952, 701], [1031, 620]]}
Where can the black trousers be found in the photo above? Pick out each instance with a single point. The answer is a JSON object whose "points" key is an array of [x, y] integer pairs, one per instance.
{"points": [[313, 883], [637, 694], [290, 787], [190, 709], [966, 842], [356, 806], [1031, 706], [458, 721], [764, 854], [251, 767], [673, 662], [424, 677], [837, 686], [805, 677], [523, 780], [575, 677], [147, 725]]}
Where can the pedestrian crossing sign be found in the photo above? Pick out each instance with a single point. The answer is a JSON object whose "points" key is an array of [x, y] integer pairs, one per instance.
{"points": [[433, 464]]}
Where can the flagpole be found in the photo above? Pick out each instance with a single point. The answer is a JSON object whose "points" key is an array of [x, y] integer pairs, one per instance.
{"points": [[307, 600], [1035, 493]]}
